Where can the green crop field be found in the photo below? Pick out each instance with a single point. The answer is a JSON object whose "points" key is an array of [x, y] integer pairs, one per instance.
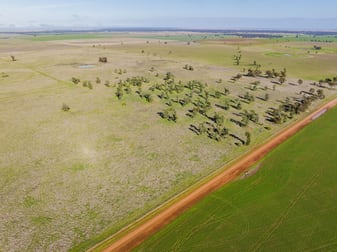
{"points": [[288, 205]]}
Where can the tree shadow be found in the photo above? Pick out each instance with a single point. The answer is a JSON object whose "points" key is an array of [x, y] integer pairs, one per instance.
{"points": [[237, 138], [239, 123], [222, 107], [161, 114], [260, 98], [194, 129]]}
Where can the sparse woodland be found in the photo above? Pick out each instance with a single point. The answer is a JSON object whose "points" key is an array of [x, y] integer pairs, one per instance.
{"points": [[195, 98]]}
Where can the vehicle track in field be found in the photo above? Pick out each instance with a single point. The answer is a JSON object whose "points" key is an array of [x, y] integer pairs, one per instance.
{"points": [[144, 230]]}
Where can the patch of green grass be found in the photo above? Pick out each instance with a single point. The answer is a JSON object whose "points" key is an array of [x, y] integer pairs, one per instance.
{"points": [[152, 155], [30, 201], [115, 139], [276, 54], [289, 205], [195, 158], [41, 220], [77, 167]]}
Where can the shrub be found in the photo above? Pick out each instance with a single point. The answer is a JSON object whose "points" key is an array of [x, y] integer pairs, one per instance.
{"points": [[65, 107], [148, 97], [75, 80], [107, 83]]}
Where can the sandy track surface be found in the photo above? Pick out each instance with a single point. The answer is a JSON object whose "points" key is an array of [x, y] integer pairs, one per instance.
{"points": [[142, 232]]}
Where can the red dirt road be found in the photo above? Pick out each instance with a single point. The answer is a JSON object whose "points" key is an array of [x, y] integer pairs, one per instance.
{"points": [[142, 232]]}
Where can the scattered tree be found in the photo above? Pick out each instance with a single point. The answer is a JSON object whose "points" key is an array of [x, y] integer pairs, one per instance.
{"points": [[119, 93], [75, 80], [170, 114], [107, 83], [148, 97], [103, 59], [188, 67], [89, 85], [237, 57], [248, 135], [320, 94], [266, 97], [282, 79]]}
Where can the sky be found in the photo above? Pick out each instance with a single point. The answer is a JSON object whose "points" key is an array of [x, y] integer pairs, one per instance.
{"points": [[201, 14]]}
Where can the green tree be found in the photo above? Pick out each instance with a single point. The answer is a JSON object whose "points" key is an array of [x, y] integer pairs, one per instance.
{"points": [[148, 97], [89, 85], [218, 119], [269, 74], [119, 93], [266, 97], [217, 94], [237, 57], [170, 114], [202, 128], [226, 91], [282, 79], [248, 136], [75, 80], [320, 94], [107, 83]]}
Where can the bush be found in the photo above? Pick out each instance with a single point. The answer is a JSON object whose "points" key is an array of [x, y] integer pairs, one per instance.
{"points": [[119, 93], [65, 107], [170, 114], [148, 97], [75, 80], [107, 83]]}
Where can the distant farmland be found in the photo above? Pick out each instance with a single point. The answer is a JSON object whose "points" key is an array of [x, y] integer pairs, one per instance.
{"points": [[288, 205]]}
